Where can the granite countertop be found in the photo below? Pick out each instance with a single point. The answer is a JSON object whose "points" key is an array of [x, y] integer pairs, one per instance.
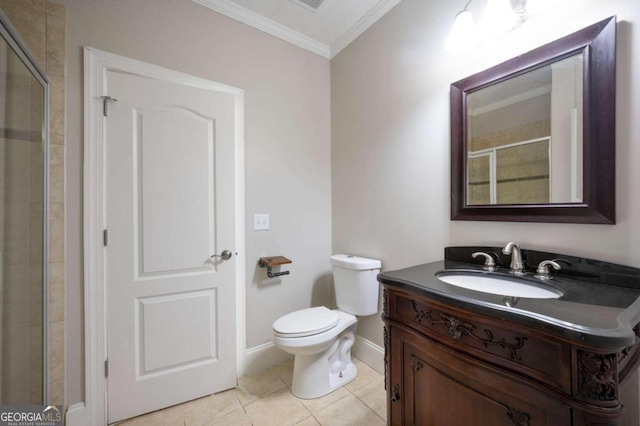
{"points": [[589, 312]]}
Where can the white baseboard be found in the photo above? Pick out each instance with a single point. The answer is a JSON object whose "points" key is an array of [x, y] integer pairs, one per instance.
{"points": [[77, 415], [369, 353], [263, 357]]}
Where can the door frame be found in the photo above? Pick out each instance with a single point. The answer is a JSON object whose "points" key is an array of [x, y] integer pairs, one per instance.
{"points": [[96, 65]]}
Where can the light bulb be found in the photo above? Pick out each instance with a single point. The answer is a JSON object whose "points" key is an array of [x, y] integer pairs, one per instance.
{"points": [[462, 37], [498, 18], [535, 7]]}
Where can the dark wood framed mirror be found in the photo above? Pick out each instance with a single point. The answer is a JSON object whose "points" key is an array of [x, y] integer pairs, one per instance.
{"points": [[533, 138]]}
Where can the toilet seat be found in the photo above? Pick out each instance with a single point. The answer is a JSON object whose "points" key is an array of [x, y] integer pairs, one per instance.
{"points": [[306, 322]]}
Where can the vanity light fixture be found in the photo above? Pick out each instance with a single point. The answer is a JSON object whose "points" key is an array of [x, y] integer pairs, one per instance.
{"points": [[538, 6], [462, 37], [499, 17]]}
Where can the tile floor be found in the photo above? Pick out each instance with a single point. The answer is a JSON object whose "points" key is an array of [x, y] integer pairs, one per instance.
{"points": [[265, 399]]}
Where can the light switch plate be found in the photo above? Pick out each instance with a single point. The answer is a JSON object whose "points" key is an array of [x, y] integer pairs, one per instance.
{"points": [[261, 222]]}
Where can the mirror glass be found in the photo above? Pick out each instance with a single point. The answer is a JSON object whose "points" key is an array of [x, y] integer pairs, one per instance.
{"points": [[524, 143]]}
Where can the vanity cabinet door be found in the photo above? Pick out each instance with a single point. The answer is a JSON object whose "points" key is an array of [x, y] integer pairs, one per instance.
{"points": [[435, 386]]}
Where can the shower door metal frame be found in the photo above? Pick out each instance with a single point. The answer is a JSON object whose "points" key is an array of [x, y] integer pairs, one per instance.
{"points": [[13, 39]]}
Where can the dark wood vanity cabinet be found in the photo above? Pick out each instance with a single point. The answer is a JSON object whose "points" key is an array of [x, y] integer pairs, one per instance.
{"points": [[451, 367]]}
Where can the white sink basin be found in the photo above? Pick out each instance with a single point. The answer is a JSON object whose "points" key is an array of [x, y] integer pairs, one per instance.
{"points": [[496, 284]]}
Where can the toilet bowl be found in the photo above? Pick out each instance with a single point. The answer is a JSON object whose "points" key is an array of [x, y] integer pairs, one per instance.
{"points": [[321, 338], [322, 356]]}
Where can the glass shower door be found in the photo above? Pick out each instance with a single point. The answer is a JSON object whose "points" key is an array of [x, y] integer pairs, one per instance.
{"points": [[22, 245]]}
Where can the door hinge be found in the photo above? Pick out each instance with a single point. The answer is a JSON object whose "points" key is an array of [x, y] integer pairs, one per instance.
{"points": [[106, 368], [105, 104], [105, 237]]}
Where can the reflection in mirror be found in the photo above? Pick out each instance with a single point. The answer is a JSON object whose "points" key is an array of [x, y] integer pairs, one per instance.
{"points": [[524, 141]]}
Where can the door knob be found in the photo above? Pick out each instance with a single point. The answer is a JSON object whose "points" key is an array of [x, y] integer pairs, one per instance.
{"points": [[225, 255]]}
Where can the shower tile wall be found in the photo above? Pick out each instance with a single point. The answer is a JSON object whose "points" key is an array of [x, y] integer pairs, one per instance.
{"points": [[41, 24], [538, 129]]}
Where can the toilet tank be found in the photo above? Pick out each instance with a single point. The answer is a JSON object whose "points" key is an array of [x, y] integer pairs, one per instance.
{"points": [[356, 284]]}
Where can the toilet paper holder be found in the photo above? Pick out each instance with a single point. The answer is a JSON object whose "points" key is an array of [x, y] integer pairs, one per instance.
{"points": [[271, 261]]}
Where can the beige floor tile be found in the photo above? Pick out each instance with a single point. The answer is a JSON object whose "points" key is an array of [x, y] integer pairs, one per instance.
{"points": [[309, 421], [374, 396], [171, 416], [204, 410], [349, 411], [145, 421], [235, 418], [317, 404], [267, 400], [284, 371], [254, 387], [365, 376], [277, 409]]}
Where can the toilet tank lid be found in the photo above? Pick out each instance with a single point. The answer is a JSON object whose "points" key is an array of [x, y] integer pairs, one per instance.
{"points": [[354, 262]]}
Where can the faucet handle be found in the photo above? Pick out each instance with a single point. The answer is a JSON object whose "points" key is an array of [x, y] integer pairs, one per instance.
{"points": [[489, 263], [543, 272]]}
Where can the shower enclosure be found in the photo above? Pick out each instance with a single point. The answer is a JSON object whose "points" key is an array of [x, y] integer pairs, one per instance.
{"points": [[23, 240]]}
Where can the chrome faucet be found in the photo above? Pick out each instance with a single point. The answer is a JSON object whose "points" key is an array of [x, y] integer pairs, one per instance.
{"points": [[543, 272], [517, 265], [489, 263]]}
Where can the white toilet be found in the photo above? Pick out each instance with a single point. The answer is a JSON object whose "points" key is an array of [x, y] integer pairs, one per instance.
{"points": [[320, 338]]}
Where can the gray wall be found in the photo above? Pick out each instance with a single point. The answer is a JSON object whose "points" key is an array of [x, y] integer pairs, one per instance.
{"points": [[386, 106], [390, 138], [287, 116]]}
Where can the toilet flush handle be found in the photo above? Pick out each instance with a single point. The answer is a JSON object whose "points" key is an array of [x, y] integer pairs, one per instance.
{"points": [[225, 255]]}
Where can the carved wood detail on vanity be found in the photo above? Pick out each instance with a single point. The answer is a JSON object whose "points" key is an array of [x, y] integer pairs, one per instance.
{"points": [[395, 393], [385, 314], [416, 363], [457, 329], [385, 303], [526, 352], [518, 418], [385, 337], [597, 376]]}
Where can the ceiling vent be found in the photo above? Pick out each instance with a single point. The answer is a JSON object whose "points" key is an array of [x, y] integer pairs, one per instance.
{"points": [[312, 5]]}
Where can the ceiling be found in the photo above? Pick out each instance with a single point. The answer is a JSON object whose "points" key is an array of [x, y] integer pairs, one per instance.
{"points": [[324, 30]]}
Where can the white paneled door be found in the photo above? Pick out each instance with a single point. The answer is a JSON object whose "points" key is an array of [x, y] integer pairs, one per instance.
{"points": [[170, 206]]}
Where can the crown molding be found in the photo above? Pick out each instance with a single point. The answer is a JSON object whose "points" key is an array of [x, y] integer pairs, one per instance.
{"points": [[362, 25], [239, 13], [244, 15]]}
